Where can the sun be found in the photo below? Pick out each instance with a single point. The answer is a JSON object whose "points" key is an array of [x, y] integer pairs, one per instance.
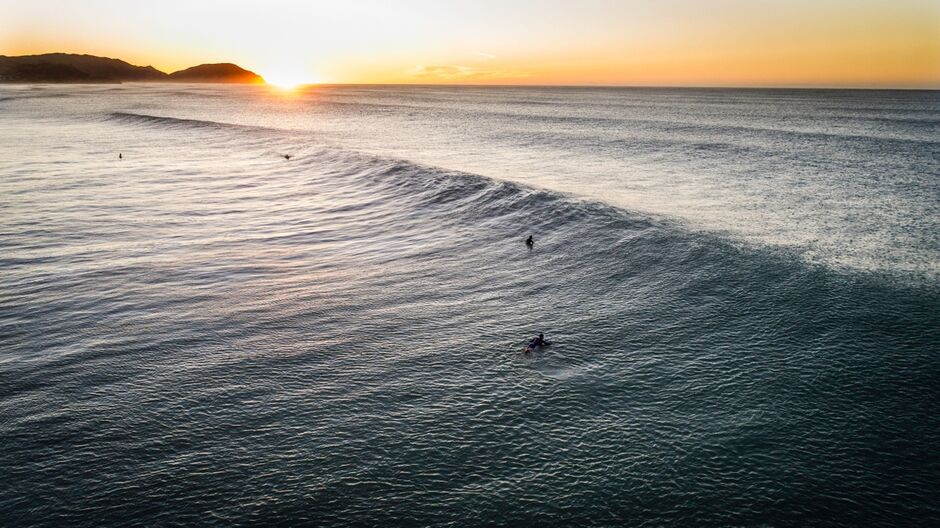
{"points": [[286, 78]]}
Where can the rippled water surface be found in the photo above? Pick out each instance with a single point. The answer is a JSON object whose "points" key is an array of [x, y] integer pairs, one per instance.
{"points": [[741, 287]]}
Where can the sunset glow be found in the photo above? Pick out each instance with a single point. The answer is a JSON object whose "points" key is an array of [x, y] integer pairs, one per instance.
{"points": [[863, 43], [286, 78]]}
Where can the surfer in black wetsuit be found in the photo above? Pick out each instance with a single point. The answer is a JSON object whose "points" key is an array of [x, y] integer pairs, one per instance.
{"points": [[536, 342], [529, 242], [287, 157], [120, 156]]}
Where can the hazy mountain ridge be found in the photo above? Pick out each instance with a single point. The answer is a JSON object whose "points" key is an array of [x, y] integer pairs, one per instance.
{"points": [[75, 68]]}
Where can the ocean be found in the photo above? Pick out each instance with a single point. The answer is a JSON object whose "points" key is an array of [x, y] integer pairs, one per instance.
{"points": [[741, 288]]}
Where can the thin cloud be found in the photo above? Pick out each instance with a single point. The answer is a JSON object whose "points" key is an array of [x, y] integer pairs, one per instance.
{"points": [[484, 55], [452, 72], [447, 71]]}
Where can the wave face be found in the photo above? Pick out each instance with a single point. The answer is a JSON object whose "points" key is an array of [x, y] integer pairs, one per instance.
{"points": [[848, 179], [335, 339]]}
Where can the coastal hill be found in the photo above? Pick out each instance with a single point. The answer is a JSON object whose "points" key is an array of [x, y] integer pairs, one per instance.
{"points": [[224, 72], [73, 68], [67, 67]]}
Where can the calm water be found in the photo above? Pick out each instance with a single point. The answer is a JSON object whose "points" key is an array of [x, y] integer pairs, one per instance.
{"points": [[743, 289]]}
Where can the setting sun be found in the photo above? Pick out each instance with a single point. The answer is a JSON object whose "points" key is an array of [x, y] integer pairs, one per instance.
{"points": [[287, 78]]}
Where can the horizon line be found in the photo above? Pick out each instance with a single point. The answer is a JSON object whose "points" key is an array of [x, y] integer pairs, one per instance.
{"points": [[496, 85], [656, 86], [794, 86]]}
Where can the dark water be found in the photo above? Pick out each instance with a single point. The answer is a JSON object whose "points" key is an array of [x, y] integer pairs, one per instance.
{"points": [[205, 333]]}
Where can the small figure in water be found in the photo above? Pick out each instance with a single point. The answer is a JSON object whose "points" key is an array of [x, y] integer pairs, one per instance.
{"points": [[535, 343], [120, 156], [286, 156], [529, 242]]}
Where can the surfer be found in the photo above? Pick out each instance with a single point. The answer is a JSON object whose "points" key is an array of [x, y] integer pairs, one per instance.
{"points": [[529, 242], [536, 342], [287, 157], [120, 156]]}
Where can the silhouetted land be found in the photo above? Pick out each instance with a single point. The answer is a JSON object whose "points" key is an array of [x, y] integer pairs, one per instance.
{"points": [[224, 72], [72, 68]]}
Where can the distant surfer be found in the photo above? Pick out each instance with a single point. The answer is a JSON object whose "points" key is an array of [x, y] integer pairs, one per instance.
{"points": [[535, 342], [120, 156], [287, 157], [529, 242]]}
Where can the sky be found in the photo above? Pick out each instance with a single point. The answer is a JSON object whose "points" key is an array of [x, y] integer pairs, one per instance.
{"points": [[830, 43]]}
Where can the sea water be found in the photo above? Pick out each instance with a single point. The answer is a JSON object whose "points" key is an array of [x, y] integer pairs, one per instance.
{"points": [[742, 288]]}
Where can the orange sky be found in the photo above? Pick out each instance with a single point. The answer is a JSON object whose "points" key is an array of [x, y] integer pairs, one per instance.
{"points": [[860, 43]]}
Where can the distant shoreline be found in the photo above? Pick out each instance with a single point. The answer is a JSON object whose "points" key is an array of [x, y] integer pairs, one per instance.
{"points": [[70, 68], [504, 86]]}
